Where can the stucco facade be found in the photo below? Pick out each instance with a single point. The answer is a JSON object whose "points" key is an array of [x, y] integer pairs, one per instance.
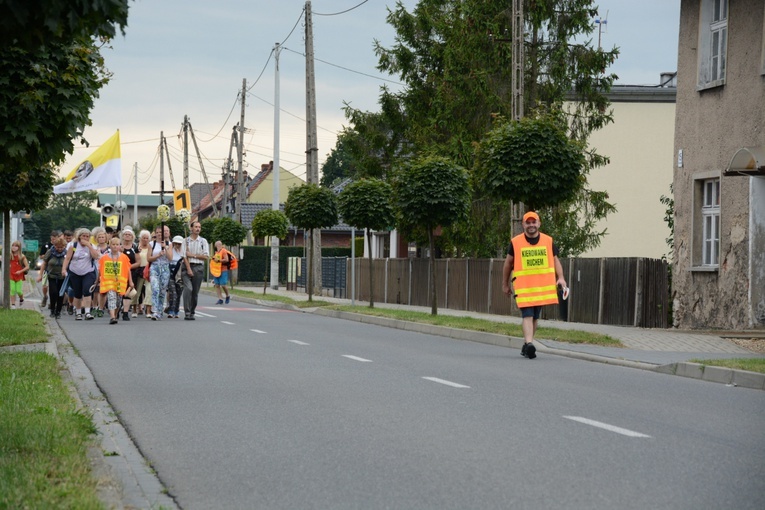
{"points": [[639, 144], [719, 254]]}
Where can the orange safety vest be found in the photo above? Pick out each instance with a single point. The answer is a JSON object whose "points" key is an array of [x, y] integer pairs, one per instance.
{"points": [[216, 266], [114, 274], [534, 272]]}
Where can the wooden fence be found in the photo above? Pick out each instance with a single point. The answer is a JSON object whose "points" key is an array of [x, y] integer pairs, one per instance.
{"points": [[617, 291]]}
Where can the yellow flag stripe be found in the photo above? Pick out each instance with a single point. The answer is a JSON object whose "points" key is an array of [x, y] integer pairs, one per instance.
{"points": [[108, 151]]}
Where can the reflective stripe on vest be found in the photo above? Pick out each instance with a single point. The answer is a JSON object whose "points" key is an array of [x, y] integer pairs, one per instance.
{"points": [[534, 272], [114, 274]]}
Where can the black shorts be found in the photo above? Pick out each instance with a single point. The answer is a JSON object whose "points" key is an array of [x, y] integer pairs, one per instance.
{"points": [[531, 311]]}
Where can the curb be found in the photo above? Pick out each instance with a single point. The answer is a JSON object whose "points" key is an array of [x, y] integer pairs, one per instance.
{"points": [[729, 376]]}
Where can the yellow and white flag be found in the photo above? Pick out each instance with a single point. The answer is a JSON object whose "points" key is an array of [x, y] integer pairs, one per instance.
{"points": [[101, 170]]}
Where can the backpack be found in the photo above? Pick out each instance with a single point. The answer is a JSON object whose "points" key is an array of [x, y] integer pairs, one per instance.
{"points": [[233, 263]]}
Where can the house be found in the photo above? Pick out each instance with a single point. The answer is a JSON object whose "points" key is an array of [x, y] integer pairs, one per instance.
{"points": [[146, 205], [718, 277], [639, 144]]}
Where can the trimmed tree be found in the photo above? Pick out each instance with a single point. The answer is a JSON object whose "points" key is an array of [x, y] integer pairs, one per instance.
{"points": [[429, 193], [269, 223], [531, 161], [366, 205], [310, 207], [228, 231]]}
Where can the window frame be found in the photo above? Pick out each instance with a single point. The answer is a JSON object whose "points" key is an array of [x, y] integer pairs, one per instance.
{"points": [[713, 44], [707, 217]]}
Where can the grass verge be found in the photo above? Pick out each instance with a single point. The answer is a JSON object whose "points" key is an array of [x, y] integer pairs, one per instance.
{"points": [[750, 364], [18, 327], [43, 436], [449, 321]]}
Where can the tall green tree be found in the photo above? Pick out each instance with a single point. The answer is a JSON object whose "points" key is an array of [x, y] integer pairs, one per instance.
{"points": [[366, 204], [66, 211], [454, 57], [269, 223], [49, 79], [309, 207], [428, 193]]}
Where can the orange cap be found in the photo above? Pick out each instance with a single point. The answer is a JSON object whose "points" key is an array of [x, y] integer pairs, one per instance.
{"points": [[529, 215]]}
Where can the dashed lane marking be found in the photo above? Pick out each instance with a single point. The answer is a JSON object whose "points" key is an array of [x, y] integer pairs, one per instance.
{"points": [[258, 331], [606, 426], [356, 358], [204, 315], [447, 383], [298, 342], [227, 322]]}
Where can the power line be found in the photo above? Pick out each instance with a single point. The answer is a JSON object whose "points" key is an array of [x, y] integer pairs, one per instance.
{"points": [[289, 113], [341, 12], [347, 69]]}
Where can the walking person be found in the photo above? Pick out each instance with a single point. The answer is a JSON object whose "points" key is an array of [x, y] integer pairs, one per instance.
{"points": [[101, 238], [531, 273], [196, 252], [19, 270], [142, 300], [159, 258], [114, 277], [52, 266], [174, 285], [219, 267], [128, 248], [55, 234], [80, 265]]}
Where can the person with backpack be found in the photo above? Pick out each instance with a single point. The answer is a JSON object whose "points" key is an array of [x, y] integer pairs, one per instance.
{"points": [[80, 265], [19, 269], [219, 267]]}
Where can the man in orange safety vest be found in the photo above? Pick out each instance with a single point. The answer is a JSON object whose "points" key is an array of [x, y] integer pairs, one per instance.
{"points": [[532, 261]]}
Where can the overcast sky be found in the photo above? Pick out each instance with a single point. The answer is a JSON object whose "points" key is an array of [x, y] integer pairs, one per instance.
{"points": [[189, 57]]}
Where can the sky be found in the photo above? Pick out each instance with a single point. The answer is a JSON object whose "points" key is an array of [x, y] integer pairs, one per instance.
{"points": [[189, 57]]}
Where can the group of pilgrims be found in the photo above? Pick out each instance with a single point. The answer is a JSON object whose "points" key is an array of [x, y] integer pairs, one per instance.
{"points": [[90, 273]]}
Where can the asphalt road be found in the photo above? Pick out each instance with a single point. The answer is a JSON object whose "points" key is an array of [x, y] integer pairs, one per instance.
{"points": [[254, 407]]}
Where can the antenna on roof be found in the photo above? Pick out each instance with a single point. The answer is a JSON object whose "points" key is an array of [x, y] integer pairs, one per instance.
{"points": [[601, 22]]}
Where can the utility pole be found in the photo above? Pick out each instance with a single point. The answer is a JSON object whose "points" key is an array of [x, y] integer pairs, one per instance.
{"points": [[185, 152], [312, 149], [275, 172], [516, 105], [228, 179], [240, 198]]}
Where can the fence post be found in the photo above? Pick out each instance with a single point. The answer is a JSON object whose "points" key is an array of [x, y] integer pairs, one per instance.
{"points": [[571, 295], [488, 300], [601, 290], [467, 284], [409, 299], [446, 290], [638, 292], [385, 295]]}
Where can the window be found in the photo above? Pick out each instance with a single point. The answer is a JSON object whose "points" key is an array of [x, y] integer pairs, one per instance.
{"points": [[710, 214], [705, 240], [713, 43]]}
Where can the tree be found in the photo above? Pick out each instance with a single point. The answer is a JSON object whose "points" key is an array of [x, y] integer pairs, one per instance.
{"points": [[229, 232], [531, 161], [309, 207], [177, 226], [208, 228], [46, 95], [454, 58], [30, 23], [431, 192], [269, 223], [366, 204]]}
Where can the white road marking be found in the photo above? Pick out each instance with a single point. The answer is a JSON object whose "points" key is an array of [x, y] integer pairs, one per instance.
{"points": [[227, 322], [298, 342], [448, 383], [204, 314], [356, 358], [606, 426], [258, 331]]}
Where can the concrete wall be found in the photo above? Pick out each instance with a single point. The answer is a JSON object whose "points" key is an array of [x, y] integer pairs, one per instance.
{"points": [[710, 126], [640, 145]]}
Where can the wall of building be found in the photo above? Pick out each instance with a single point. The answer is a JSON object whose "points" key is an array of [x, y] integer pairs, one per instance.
{"points": [[264, 193], [640, 145], [710, 126]]}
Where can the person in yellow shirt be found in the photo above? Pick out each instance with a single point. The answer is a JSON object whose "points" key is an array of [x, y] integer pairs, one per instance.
{"points": [[219, 266], [115, 277]]}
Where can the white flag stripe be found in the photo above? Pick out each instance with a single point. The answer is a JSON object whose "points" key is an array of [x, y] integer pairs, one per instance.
{"points": [[448, 383], [606, 426]]}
